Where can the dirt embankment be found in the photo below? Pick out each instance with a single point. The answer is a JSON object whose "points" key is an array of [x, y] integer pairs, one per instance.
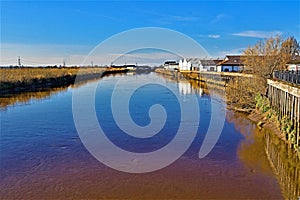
{"points": [[262, 122]]}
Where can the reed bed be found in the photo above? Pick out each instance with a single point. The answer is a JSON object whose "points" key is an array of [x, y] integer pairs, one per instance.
{"points": [[16, 79]]}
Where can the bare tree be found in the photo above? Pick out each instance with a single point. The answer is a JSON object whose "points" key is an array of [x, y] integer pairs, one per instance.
{"points": [[290, 48], [261, 60], [267, 56]]}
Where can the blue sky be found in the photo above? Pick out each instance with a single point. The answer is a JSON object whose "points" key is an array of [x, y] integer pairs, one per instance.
{"points": [[47, 32]]}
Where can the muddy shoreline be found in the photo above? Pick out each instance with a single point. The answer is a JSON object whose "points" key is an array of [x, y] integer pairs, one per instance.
{"points": [[262, 123]]}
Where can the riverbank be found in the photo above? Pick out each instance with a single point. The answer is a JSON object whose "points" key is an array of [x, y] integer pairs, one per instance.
{"points": [[53, 154], [29, 79], [263, 115], [268, 119], [262, 122]]}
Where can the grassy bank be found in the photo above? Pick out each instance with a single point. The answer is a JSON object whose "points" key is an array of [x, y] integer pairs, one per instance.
{"points": [[265, 116], [15, 80]]}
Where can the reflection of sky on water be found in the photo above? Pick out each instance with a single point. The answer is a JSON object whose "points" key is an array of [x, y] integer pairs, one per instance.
{"points": [[43, 157]]}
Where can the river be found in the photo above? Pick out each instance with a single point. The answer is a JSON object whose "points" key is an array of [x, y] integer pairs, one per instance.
{"points": [[43, 157]]}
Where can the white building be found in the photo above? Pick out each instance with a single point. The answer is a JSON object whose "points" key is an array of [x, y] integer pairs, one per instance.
{"points": [[184, 65], [171, 65], [209, 65], [294, 65], [195, 63], [198, 64], [231, 63]]}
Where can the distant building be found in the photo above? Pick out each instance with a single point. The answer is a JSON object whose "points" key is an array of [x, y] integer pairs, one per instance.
{"points": [[198, 64], [123, 66], [231, 63], [294, 65], [209, 65], [130, 67], [171, 65], [195, 63], [184, 65]]}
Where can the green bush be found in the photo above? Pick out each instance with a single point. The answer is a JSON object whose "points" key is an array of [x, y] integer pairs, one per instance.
{"points": [[262, 103]]}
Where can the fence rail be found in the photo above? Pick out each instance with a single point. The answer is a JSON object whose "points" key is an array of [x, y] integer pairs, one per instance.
{"points": [[288, 76]]}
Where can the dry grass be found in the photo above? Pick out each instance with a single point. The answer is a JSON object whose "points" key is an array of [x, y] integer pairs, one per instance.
{"points": [[14, 75], [12, 79]]}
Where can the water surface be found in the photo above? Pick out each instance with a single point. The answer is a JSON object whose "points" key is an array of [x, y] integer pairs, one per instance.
{"points": [[42, 155]]}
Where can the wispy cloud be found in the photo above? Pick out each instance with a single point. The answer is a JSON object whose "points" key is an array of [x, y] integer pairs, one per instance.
{"points": [[218, 18], [164, 18], [95, 15], [171, 19], [182, 18], [257, 34], [214, 36]]}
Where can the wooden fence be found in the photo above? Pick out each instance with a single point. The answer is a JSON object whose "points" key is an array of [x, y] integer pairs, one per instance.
{"points": [[286, 100]]}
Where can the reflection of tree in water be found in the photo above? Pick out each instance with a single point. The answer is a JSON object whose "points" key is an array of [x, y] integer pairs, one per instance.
{"points": [[262, 149], [196, 86], [199, 86], [285, 163], [207, 88], [25, 97], [251, 149]]}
